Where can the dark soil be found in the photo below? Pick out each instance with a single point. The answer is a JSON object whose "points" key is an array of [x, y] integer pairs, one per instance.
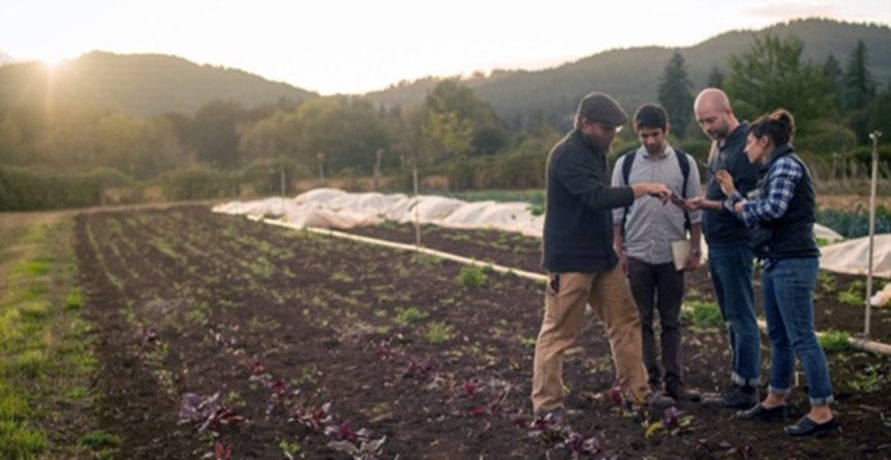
{"points": [[523, 252], [279, 322]]}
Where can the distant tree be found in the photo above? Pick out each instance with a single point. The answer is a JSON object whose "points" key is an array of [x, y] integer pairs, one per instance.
{"points": [[347, 131], [452, 133], [214, 135], [715, 78], [142, 148], [860, 87], [834, 75], [459, 124], [880, 113], [772, 74], [860, 91], [10, 140], [676, 93], [276, 136]]}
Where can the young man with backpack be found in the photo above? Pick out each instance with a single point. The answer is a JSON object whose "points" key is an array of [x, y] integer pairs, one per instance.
{"points": [[643, 235]]}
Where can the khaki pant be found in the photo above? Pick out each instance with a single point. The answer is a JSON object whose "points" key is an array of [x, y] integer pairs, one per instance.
{"points": [[608, 294]]}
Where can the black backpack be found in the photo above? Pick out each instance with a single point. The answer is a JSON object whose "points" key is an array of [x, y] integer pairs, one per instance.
{"points": [[683, 162]]}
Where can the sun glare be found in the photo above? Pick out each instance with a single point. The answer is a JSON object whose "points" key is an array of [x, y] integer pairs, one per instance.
{"points": [[52, 62]]}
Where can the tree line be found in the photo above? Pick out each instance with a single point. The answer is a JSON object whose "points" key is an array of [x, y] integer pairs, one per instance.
{"points": [[452, 132]]}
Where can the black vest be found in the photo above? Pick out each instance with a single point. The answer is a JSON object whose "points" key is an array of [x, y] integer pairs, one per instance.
{"points": [[790, 236]]}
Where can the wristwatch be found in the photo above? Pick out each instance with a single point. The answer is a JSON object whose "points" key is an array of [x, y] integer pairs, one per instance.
{"points": [[695, 251]]}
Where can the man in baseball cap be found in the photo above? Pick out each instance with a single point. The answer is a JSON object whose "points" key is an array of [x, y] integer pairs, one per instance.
{"points": [[581, 263]]}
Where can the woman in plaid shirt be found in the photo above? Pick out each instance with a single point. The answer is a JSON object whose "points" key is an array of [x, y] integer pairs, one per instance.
{"points": [[780, 213]]}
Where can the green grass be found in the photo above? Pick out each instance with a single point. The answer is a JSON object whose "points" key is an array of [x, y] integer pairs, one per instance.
{"points": [[19, 441], [75, 300], [45, 356], [99, 440]]}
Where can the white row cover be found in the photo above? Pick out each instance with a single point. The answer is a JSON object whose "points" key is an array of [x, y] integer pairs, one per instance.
{"points": [[336, 209]]}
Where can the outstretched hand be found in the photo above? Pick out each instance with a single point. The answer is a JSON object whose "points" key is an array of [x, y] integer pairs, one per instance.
{"points": [[693, 204], [661, 192]]}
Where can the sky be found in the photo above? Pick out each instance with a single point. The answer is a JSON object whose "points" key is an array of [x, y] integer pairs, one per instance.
{"points": [[340, 46]]}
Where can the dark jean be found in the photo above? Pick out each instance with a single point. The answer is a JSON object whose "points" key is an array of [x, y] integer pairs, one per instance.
{"points": [[788, 289], [731, 270], [659, 288]]}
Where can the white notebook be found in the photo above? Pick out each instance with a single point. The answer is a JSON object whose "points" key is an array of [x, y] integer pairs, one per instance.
{"points": [[680, 250]]}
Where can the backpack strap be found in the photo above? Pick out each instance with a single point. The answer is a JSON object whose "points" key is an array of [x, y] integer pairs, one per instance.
{"points": [[684, 163], [627, 162]]}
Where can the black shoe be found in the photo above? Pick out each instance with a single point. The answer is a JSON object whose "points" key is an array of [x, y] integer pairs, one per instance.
{"points": [[808, 427], [659, 401], [763, 414], [683, 393], [735, 397]]}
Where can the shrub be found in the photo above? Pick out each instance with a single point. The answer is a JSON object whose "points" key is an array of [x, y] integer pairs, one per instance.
{"points": [[833, 340], [407, 316], [198, 183], [703, 313], [439, 332], [472, 277], [26, 189]]}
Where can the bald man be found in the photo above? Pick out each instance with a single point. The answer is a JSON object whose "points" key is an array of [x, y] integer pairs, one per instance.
{"points": [[729, 247]]}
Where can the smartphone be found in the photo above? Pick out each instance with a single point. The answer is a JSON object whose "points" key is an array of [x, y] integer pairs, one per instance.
{"points": [[677, 200]]}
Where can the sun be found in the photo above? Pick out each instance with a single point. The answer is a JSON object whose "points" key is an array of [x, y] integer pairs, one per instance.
{"points": [[52, 61]]}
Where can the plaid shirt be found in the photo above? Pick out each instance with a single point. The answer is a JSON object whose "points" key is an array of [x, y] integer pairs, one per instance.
{"points": [[782, 178]]}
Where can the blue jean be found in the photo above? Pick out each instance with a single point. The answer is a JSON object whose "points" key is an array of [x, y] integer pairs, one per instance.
{"points": [[788, 289], [731, 270]]}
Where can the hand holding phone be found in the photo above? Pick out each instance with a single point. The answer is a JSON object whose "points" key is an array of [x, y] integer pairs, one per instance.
{"points": [[678, 201]]}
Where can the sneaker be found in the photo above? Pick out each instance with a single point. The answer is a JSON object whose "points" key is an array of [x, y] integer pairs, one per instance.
{"points": [[558, 416], [683, 393], [735, 397]]}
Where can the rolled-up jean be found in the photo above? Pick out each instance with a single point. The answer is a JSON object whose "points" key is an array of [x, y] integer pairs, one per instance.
{"points": [[731, 270], [788, 289]]}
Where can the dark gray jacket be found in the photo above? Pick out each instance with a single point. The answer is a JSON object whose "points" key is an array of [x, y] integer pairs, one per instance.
{"points": [[723, 229], [578, 228]]}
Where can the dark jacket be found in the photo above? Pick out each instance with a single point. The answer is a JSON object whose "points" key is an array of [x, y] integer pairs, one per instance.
{"points": [[792, 235], [723, 228], [578, 228]]}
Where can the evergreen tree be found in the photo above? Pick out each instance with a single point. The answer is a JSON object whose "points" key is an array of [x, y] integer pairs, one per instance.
{"points": [[835, 78], [676, 93], [860, 88], [772, 74], [880, 109], [715, 78]]}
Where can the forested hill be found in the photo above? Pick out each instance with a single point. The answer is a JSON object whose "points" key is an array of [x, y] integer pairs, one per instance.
{"points": [[632, 75], [137, 84]]}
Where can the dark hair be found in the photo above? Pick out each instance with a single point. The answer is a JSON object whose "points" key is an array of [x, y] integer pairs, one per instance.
{"points": [[779, 126], [650, 116]]}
